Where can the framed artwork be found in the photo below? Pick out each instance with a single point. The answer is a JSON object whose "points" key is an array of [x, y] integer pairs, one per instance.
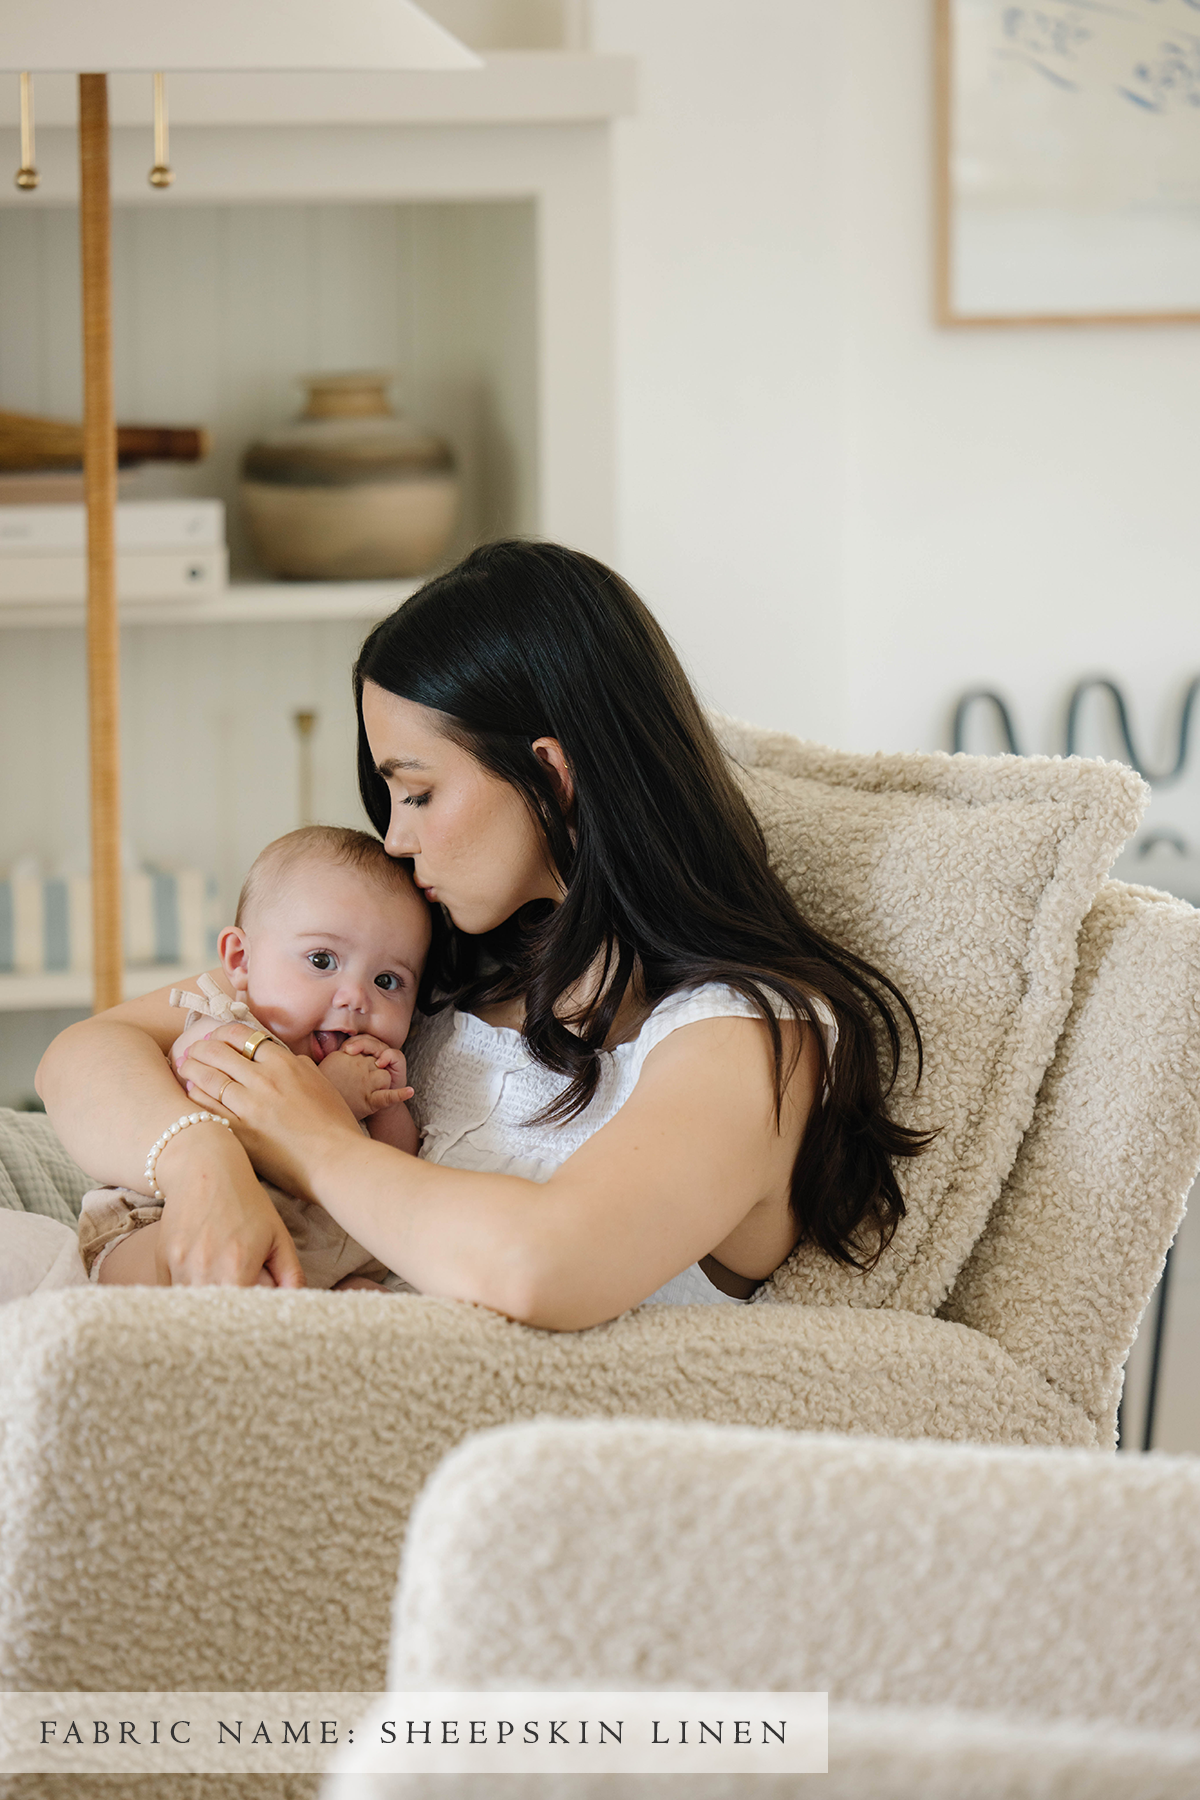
{"points": [[1068, 161]]}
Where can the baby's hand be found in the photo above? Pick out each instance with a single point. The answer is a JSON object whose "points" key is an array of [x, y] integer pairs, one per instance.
{"points": [[190, 1035], [385, 1058], [368, 1074]]}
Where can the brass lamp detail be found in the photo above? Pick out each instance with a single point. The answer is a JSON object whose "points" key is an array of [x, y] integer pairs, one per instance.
{"points": [[305, 722], [26, 176], [162, 174]]}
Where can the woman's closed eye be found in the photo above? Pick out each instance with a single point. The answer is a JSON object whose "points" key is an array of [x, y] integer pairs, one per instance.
{"points": [[415, 800]]}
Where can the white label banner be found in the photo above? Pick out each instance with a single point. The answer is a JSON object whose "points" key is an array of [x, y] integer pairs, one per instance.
{"points": [[566, 1732]]}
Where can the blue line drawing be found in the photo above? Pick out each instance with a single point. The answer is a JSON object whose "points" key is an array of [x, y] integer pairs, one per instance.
{"points": [[1032, 62]]}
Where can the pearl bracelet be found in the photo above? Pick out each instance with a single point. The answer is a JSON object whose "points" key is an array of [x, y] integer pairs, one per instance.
{"points": [[152, 1155]]}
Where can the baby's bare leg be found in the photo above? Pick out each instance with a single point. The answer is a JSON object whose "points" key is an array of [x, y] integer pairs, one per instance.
{"points": [[132, 1262], [357, 1281]]}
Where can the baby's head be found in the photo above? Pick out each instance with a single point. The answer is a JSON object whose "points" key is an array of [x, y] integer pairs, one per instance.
{"points": [[330, 940]]}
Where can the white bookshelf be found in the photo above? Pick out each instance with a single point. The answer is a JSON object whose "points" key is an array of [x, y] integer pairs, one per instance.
{"points": [[457, 232], [248, 603], [62, 989]]}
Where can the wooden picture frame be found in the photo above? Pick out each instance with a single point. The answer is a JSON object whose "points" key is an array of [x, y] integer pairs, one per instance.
{"points": [[1011, 81]]}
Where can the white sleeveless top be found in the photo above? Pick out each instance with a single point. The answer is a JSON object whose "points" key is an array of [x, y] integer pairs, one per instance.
{"points": [[477, 1087]]}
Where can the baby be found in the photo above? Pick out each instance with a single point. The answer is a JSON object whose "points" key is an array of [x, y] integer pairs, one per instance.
{"points": [[326, 952]]}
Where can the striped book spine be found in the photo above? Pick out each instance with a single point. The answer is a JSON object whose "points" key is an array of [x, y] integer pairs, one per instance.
{"points": [[171, 916]]}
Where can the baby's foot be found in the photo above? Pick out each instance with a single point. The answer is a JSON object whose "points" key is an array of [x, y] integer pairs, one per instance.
{"points": [[357, 1281]]}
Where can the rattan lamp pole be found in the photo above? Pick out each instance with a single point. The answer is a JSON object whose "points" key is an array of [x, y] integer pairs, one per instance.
{"points": [[100, 487], [150, 37]]}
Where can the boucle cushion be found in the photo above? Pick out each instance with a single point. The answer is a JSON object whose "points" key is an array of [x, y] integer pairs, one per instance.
{"points": [[989, 1624], [1062, 1273], [965, 879], [1051, 1584]]}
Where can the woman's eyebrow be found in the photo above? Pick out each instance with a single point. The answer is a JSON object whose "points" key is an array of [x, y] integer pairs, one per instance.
{"points": [[398, 762]]}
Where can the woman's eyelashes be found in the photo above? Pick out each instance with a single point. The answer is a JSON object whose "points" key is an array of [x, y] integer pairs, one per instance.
{"points": [[415, 800]]}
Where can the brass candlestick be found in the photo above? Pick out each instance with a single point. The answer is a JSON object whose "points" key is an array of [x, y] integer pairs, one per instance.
{"points": [[305, 722], [26, 176]]}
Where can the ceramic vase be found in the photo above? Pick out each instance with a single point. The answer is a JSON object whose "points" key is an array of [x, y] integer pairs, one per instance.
{"points": [[350, 491]]}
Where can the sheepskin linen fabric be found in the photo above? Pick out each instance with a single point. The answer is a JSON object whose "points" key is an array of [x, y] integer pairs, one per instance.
{"points": [[964, 879], [1016, 1622], [209, 1487], [1102, 1175], [1049, 1584]]}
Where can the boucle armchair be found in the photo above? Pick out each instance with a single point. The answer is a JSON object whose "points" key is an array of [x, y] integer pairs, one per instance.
{"points": [[989, 1623], [210, 1488]]}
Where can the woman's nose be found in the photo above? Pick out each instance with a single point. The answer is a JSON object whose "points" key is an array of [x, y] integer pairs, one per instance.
{"points": [[401, 839]]}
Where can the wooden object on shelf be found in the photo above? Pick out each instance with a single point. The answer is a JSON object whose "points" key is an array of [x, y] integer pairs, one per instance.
{"points": [[30, 442], [100, 485], [41, 487]]}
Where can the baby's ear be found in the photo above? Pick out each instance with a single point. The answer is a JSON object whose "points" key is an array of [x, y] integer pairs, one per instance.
{"points": [[232, 949]]}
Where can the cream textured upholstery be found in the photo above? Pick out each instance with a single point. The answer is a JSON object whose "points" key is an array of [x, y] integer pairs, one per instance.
{"points": [[985, 1621], [210, 1488]]}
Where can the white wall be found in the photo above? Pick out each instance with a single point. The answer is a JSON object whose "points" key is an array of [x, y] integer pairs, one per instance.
{"points": [[728, 366], [1019, 504], [845, 515]]}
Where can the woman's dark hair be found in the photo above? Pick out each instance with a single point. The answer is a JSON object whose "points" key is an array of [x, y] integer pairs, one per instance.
{"points": [[666, 871]]}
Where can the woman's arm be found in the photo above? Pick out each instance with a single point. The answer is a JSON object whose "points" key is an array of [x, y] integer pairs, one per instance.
{"points": [[110, 1094], [692, 1159]]}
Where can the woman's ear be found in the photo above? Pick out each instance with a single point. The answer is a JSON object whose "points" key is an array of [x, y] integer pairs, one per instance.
{"points": [[231, 948], [549, 753]]}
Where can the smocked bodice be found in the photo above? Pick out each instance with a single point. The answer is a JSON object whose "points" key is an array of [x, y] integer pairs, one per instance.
{"points": [[478, 1088]]}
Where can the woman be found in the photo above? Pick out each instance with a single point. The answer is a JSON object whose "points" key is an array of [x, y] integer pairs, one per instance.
{"points": [[643, 1075]]}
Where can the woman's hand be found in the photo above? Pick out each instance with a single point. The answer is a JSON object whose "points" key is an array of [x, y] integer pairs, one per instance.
{"points": [[218, 1228], [111, 1093], [287, 1117]]}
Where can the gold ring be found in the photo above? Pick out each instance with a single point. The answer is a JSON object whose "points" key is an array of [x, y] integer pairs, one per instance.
{"points": [[250, 1047], [221, 1095]]}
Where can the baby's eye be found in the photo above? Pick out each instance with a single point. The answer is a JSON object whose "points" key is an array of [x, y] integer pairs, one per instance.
{"points": [[391, 984], [324, 960]]}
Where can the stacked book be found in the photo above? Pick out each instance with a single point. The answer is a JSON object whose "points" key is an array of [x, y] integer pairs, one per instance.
{"points": [[166, 550]]}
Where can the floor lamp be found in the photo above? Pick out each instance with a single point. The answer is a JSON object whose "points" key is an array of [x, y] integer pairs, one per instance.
{"points": [[157, 36]]}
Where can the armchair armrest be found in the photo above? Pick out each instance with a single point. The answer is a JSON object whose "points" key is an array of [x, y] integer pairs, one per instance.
{"points": [[209, 1487]]}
